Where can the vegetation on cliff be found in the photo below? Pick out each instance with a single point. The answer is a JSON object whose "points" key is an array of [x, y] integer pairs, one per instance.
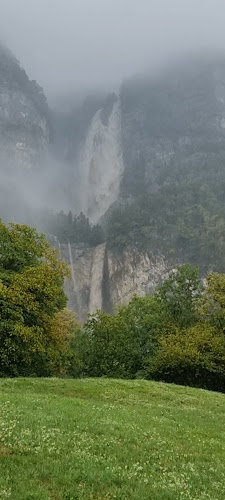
{"points": [[73, 228], [186, 222], [14, 78], [172, 191]]}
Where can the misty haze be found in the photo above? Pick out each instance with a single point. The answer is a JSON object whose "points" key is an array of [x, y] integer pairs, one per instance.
{"points": [[112, 138], [112, 245], [128, 155]]}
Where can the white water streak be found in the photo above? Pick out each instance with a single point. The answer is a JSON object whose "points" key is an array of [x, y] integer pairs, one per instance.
{"points": [[101, 164], [76, 291], [97, 278]]}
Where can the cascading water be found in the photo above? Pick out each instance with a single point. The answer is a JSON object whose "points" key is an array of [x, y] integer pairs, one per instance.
{"points": [[101, 164], [96, 298], [100, 170], [57, 244], [71, 265], [76, 291]]}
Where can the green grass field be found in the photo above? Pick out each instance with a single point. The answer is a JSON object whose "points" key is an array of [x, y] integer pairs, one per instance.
{"points": [[110, 439]]}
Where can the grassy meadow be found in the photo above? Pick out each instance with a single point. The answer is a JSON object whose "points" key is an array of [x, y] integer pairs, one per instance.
{"points": [[96, 439]]}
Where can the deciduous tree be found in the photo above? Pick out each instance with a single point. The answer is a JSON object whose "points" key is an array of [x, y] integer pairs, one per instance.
{"points": [[31, 293]]}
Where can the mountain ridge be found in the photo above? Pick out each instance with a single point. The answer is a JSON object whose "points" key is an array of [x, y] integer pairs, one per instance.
{"points": [[147, 163]]}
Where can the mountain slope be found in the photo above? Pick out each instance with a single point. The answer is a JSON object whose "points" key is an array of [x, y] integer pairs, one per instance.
{"points": [[24, 140], [168, 207], [173, 188], [24, 122], [149, 164], [176, 123]]}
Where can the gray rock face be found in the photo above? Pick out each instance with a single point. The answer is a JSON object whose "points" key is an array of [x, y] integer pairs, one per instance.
{"points": [[101, 164], [78, 288], [171, 131], [132, 273], [101, 279], [88, 143], [24, 125], [155, 134]]}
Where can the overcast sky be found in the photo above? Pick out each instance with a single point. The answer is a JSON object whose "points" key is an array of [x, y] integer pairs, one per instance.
{"points": [[66, 44]]}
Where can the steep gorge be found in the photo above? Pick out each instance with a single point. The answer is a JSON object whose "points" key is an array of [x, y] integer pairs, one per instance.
{"points": [[123, 274], [147, 164], [98, 162], [97, 274]]}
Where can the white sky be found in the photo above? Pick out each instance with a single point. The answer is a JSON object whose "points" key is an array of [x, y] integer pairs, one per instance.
{"points": [[68, 44]]}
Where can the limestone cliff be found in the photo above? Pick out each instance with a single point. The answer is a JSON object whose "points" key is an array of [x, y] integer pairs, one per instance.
{"points": [[133, 272], [148, 164], [101, 162], [24, 123], [101, 279]]}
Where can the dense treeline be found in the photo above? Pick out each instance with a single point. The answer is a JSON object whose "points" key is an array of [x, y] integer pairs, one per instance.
{"points": [[177, 335], [186, 222], [173, 187], [74, 228]]}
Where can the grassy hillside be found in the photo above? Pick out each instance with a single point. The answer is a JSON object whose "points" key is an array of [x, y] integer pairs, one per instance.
{"points": [[107, 439]]}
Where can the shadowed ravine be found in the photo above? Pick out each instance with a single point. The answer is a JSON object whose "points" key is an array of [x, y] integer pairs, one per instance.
{"points": [[96, 298], [76, 291]]}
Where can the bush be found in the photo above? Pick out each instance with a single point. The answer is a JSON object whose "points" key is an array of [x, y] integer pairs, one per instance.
{"points": [[194, 357]]}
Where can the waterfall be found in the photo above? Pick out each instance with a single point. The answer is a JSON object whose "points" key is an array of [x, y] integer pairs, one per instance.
{"points": [[71, 265], [75, 288], [96, 298], [101, 164], [57, 243]]}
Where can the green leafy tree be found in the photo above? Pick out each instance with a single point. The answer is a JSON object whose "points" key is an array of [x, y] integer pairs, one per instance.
{"points": [[31, 293], [143, 323], [212, 303], [179, 294], [109, 351], [63, 329], [118, 345], [194, 357]]}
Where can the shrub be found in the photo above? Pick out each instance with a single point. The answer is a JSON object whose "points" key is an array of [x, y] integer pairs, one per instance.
{"points": [[194, 357]]}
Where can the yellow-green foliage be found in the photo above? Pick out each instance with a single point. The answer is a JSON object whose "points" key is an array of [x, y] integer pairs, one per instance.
{"points": [[212, 303], [63, 330], [176, 335], [31, 293], [195, 356]]}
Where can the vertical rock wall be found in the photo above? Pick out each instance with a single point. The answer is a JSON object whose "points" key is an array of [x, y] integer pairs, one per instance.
{"points": [[101, 279], [100, 164]]}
